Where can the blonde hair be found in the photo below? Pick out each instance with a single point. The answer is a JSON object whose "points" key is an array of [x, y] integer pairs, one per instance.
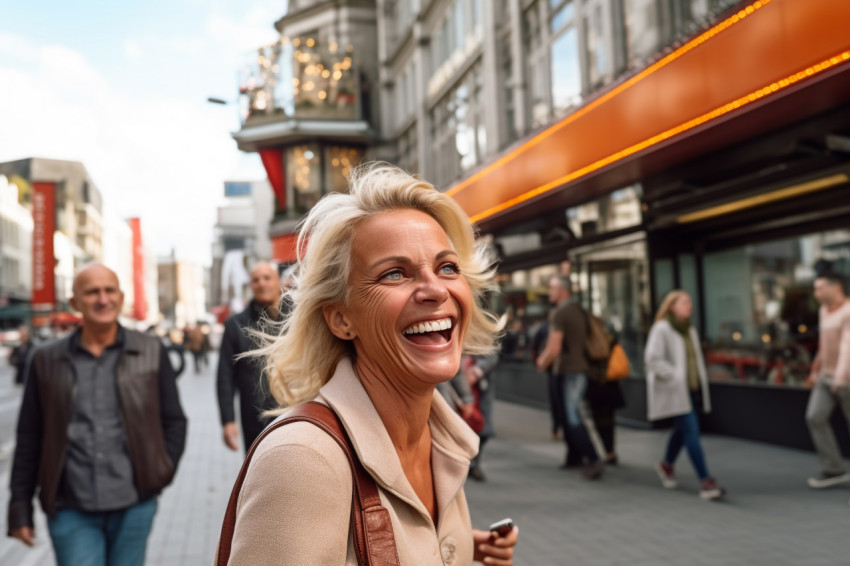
{"points": [[668, 302], [303, 355]]}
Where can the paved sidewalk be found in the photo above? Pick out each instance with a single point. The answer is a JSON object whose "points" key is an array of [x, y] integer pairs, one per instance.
{"points": [[770, 517]]}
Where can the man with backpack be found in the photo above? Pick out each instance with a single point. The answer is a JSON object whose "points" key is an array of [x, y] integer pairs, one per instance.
{"points": [[565, 352]]}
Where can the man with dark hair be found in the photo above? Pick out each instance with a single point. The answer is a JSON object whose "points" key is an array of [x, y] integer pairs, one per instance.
{"points": [[100, 433], [565, 352], [829, 378]]}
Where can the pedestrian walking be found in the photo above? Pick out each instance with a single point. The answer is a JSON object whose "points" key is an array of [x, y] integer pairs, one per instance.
{"points": [[829, 378], [604, 396], [565, 353], [677, 387], [245, 376], [386, 302], [19, 357], [100, 433], [479, 374]]}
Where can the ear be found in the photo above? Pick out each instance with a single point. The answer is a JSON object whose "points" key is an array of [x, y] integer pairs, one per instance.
{"points": [[338, 322], [73, 303]]}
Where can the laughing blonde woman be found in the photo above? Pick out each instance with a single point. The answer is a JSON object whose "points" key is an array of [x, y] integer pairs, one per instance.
{"points": [[386, 300]]}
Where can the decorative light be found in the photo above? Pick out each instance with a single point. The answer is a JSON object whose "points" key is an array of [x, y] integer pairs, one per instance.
{"points": [[350, 48], [337, 75], [310, 42], [308, 86], [736, 336], [765, 338], [802, 328], [296, 81], [296, 42], [333, 47], [326, 74], [322, 95]]}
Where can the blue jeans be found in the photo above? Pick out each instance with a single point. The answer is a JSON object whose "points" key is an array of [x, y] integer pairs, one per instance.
{"points": [[102, 538], [686, 433], [574, 387]]}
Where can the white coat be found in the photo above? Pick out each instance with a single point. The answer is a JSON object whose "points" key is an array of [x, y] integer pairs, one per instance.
{"points": [[667, 372]]}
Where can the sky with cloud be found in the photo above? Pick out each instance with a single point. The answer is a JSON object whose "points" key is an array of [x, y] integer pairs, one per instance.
{"points": [[121, 86]]}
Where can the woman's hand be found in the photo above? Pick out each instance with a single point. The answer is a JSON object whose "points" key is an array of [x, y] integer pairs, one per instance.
{"points": [[490, 549]]}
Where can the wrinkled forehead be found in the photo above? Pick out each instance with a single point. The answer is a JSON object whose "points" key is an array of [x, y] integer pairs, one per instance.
{"points": [[96, 276]]}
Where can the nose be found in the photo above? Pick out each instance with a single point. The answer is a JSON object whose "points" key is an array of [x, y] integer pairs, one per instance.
{"points": [[430, 289]]}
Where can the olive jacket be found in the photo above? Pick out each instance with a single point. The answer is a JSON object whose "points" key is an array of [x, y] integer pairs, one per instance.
{"points": [[295, 504]]}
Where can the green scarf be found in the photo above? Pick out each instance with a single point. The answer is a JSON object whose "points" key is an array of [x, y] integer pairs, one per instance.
{"points": [[683, 327]]}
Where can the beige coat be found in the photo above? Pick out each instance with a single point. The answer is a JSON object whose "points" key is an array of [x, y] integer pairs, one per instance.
{"points": [[295, 505], [667, 372]]}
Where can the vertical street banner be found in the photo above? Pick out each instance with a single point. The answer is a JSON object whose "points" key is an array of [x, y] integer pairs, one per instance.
{"points": [[140, 303], [43, 260]]}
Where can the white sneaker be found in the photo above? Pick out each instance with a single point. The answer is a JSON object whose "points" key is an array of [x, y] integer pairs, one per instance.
{"points": [[665, 474], [827, 479]]}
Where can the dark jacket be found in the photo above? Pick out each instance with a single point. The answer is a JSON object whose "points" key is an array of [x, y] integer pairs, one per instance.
{"points": [[19, 358], [244, 375], [150, 407]]}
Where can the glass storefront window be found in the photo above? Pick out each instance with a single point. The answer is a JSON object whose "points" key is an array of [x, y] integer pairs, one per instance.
{"points": [[524, 300], [302, 77], [761, 316], [339, 160], [615, 211], [303, 177], [613, 281]]}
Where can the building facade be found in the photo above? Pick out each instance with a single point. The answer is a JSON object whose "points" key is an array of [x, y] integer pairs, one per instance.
{"points": [[15, 255], [242, 228], [635, 145]]}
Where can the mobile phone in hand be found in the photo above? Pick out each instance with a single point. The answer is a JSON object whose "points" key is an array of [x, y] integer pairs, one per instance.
{"points": [[502, 528]]}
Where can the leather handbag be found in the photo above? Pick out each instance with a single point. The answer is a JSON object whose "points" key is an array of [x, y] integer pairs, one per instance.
{"points": [[374, 541], [618, 364]]}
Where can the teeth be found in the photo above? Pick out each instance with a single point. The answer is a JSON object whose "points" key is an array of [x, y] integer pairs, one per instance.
{"points": [[430, 326]]}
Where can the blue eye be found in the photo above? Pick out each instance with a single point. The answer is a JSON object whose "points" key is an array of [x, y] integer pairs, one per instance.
{"points": [[449, 269], [394, 275]]}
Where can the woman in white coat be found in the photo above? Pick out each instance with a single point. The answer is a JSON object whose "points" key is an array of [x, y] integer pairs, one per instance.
{"points": [[677, 386]]}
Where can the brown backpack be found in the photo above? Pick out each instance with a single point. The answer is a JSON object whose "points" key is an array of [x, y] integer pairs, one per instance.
{"points": [[597, 345]]}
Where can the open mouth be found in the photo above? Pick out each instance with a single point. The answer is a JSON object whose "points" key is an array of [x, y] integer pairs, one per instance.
{"points": [[431, 332]]}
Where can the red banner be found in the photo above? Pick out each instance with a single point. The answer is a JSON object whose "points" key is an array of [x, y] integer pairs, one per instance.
{"points": [[273, 162], [140, 303], [43, 260]]}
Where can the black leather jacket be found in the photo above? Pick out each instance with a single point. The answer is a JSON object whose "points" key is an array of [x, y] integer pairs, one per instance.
{"points": [[153, 421]]}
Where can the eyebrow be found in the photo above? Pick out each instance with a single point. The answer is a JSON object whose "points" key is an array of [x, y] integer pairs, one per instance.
{"points": [[406, 260]]}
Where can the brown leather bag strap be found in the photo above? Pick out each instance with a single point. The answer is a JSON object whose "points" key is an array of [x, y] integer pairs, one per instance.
{"points": [[374, 542]]}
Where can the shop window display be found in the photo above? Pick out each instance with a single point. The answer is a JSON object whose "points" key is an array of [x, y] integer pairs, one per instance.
{"points": [[761, 317]]}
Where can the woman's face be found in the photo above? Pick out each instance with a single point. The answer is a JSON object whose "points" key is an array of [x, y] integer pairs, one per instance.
{"points": [[408, 306], [682, 308]]}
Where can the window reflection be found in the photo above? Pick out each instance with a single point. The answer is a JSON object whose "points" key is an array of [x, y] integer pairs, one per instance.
{"points": [[566, 71], [761, 316]]}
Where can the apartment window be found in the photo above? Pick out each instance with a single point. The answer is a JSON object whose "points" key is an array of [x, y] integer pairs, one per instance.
{"points": [[566, 71], [642, 30], [561, 14], [506, 80], [460, 136], [598, 40], [535, 48]]}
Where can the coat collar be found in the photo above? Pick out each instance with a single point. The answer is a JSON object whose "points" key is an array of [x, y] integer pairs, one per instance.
{"points": [[453, 443]]}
